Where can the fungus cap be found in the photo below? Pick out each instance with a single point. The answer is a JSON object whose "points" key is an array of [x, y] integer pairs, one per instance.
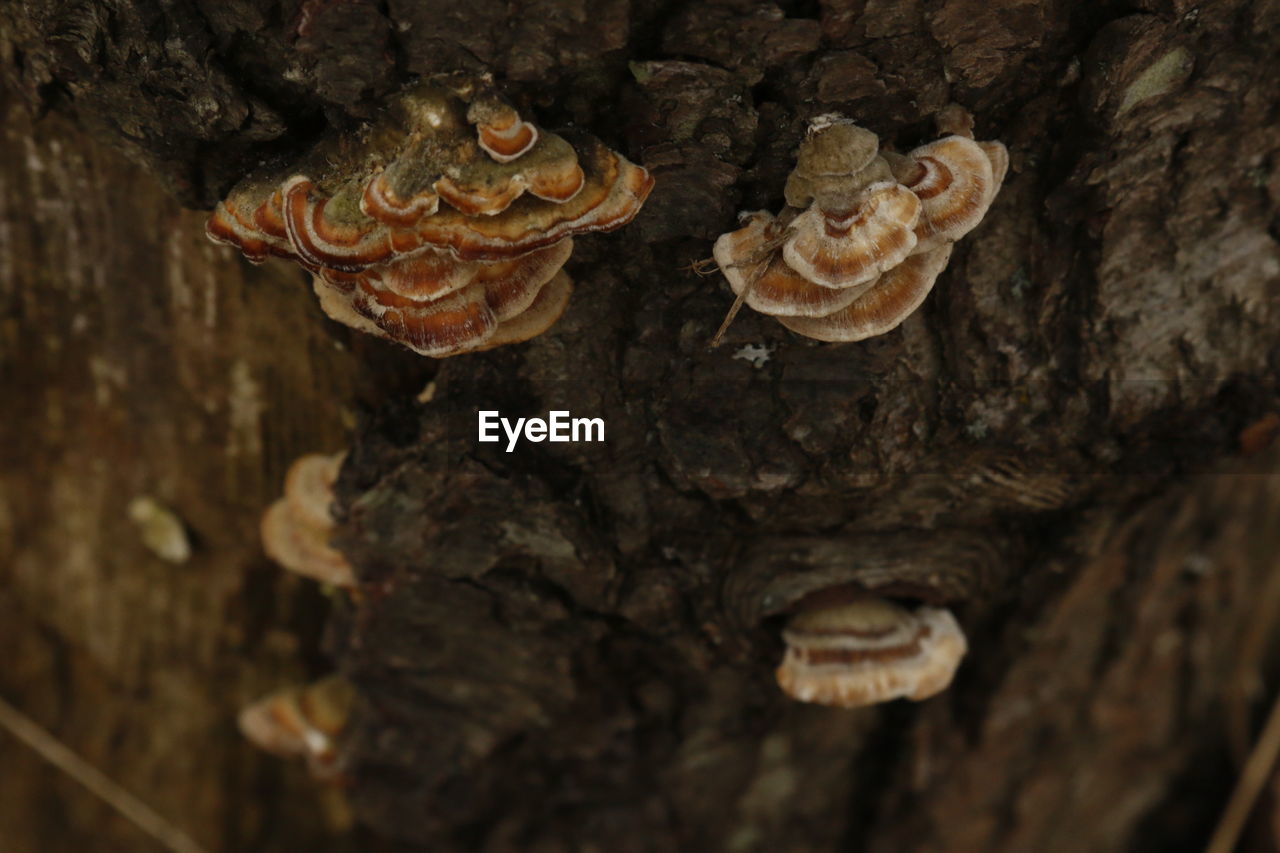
{"points": [[303, 721], [541, 315], [836, 160], [749, 263], [500, 131], [843, 248], [868, 650], [296, 528], [955, 180], [881, 308]]}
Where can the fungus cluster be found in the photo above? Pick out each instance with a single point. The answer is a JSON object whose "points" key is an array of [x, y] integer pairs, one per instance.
{"points": [[296, 528], [304, 721], [866, 649], [865, 232], [443, 225]]}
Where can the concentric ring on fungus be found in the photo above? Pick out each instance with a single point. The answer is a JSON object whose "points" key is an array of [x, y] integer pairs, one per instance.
{"points": [[442, 223], [868, 649], [880, 308], [847, 247], [954, 178], [778, 289]]}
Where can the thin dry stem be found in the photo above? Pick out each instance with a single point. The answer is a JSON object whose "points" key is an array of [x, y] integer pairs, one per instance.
{"points": [[702, 267], [1257, 770], [718, 338], [760, 260], [130, 807]]}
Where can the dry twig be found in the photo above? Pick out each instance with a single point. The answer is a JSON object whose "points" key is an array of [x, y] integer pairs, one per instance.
{"points": [[1257, 770], [99, 784]]}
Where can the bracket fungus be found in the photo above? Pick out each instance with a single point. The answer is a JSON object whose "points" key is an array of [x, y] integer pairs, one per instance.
{"points": [[867, 649], [851, 638], [304, 721], [865, 232], [296, 528], [443, 225]]}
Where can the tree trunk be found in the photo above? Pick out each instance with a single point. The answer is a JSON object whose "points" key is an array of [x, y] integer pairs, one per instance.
{"points": [[571, 646]]}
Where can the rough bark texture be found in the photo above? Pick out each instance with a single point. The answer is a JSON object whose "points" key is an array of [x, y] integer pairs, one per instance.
{"points": [[571, 646]]}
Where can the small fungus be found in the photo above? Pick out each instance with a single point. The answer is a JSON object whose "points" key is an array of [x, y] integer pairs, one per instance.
{"points": [[503, 135], [865, 232], [305, 721], [865, 649], [161, 530], [441, 224], [297, 527]]}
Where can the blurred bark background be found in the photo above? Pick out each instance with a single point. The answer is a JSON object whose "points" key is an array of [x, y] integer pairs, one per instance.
{"points": [[571, 646]]}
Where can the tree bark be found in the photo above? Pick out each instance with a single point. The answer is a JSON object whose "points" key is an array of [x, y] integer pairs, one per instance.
{"points": [[571, 646]]}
